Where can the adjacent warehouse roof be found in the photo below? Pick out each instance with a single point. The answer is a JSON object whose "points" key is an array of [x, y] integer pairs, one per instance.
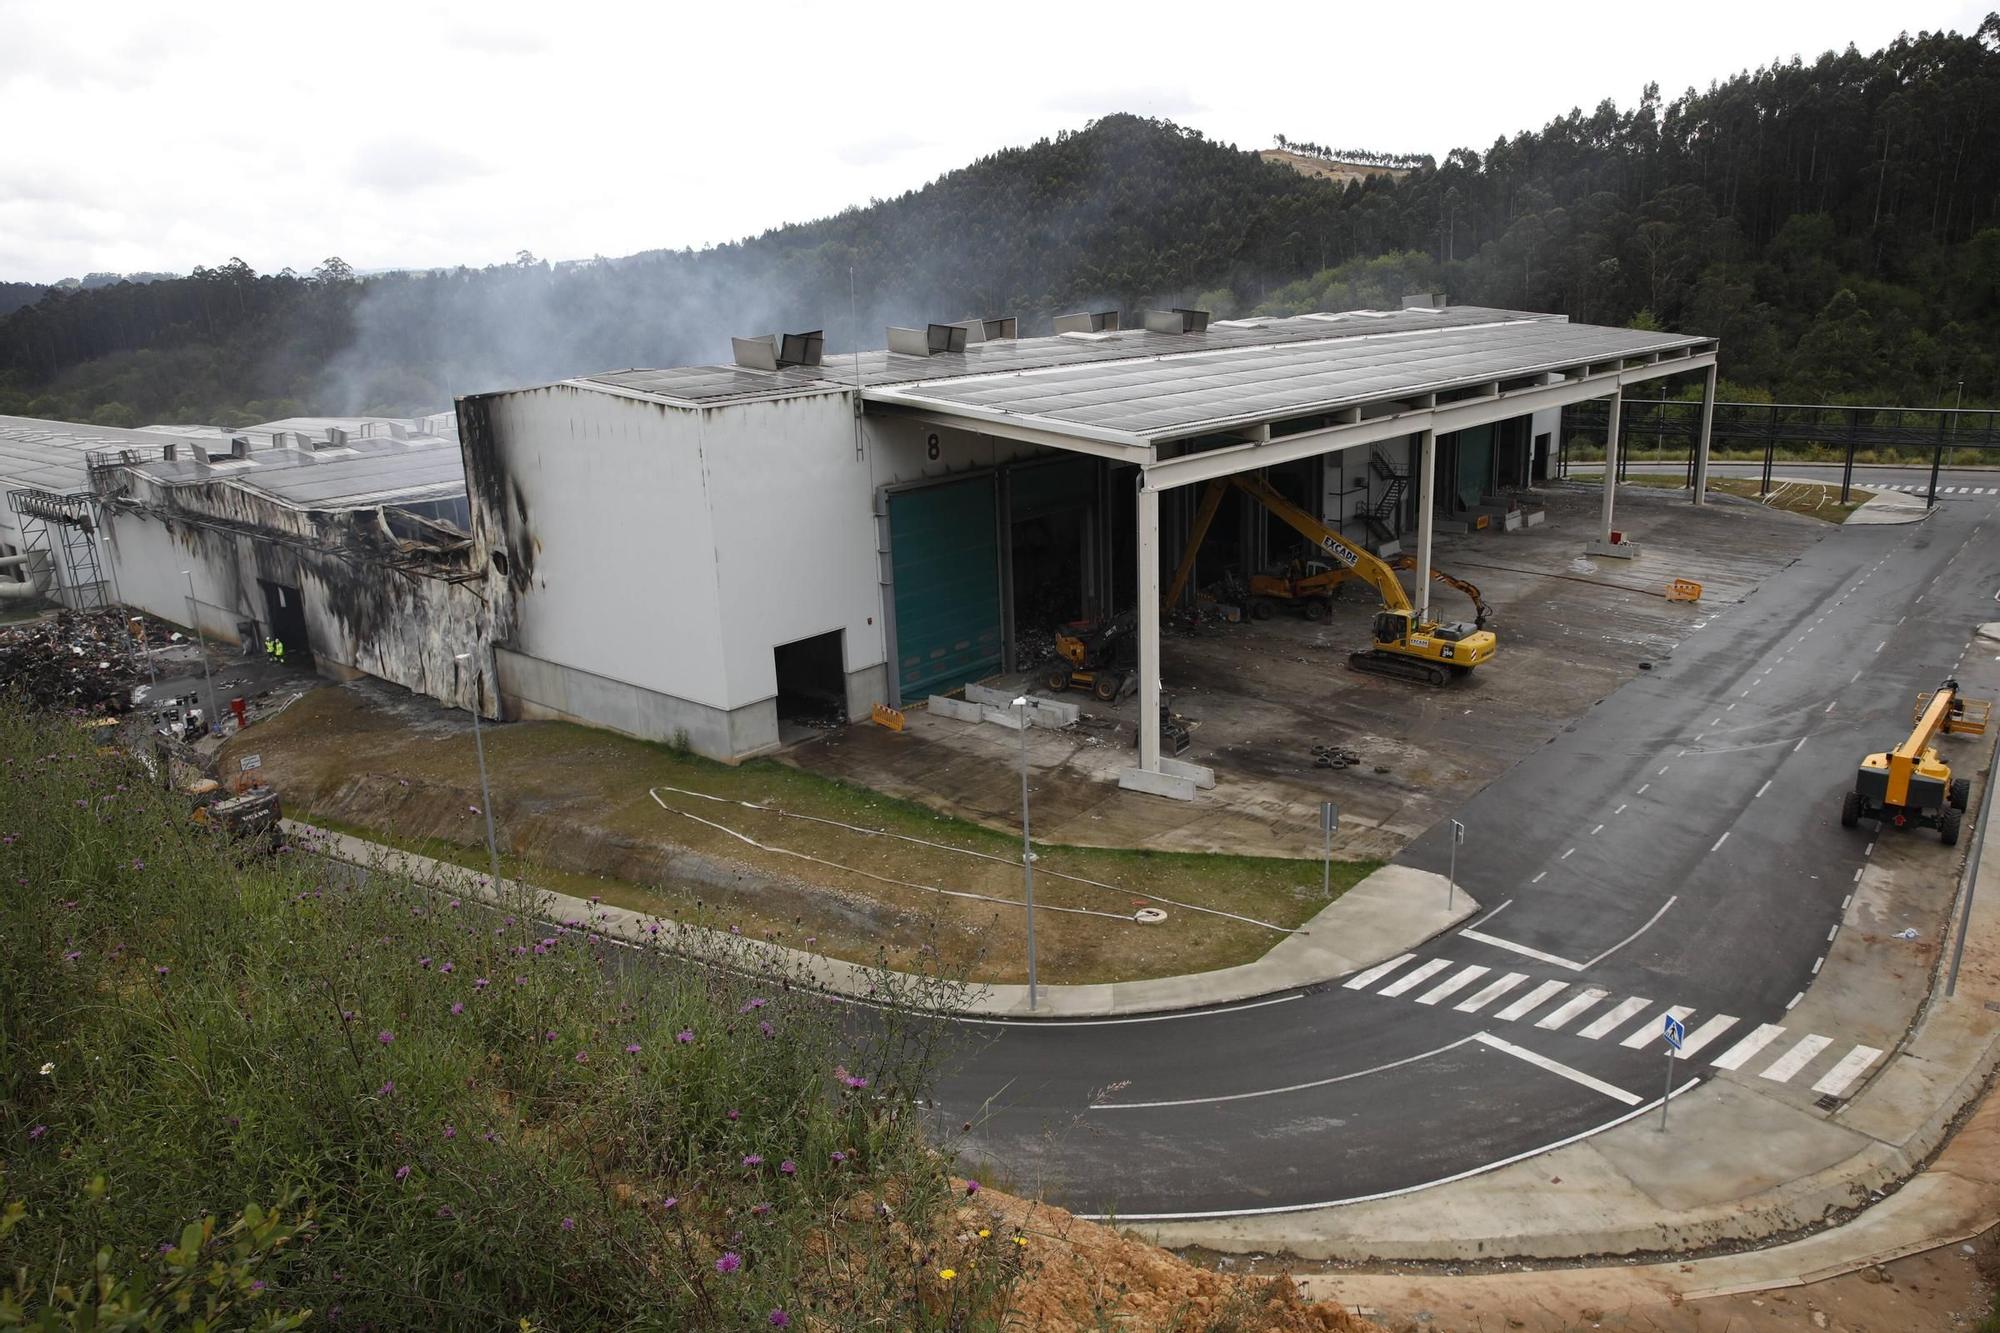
{"points": [[1140, 386], [359, 474], [49, 455]]}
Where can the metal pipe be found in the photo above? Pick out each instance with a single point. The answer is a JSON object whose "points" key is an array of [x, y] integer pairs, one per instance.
{"points": [[1028, 848]]}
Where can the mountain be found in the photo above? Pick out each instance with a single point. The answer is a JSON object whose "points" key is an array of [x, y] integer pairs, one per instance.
{"points": [[1836, 223]]}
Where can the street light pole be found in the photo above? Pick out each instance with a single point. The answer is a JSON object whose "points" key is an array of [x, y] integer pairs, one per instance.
{"points": [[1451, 877], [1027, 851], [201, 646], [485, 792]]}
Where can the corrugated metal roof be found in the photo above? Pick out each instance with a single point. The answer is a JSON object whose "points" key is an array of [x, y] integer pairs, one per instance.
{"points": [[1202, 391], [362, 473], [692, 385], [1138, 384], [49, 455]]}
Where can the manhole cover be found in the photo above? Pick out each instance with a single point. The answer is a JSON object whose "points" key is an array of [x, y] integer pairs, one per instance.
{"points": [[1149, 916]]}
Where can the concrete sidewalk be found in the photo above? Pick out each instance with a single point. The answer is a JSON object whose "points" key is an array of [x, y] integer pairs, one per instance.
{"points": [[1390, 912], [1889, 507], [1744, 1160]]}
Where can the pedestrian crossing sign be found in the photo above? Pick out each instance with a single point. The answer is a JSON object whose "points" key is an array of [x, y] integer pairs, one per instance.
{"points": [[1676, 1032]]}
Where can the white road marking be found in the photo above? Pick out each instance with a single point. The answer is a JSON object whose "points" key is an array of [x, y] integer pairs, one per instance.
{"points": [[1800, 746], [1880, 646], [974, 1020], [1556, 1067], [1830, 704], [1719, 841], [1656, 1030], [1793, 1003], [1792, 1061], [1491, 992], [1540, 875], [1522, 949], [1857, 675], [1413, 979], [1761, 790], [1273, 1092], [1576, 1004], [1818, 963], [1599, 829], [1743, 1051], [1642, 789], [1618, 1017], [1730, 708], [1458, 981], [1663, 770], [1869, 851], [1363, 980], [1831, 931], [1566, 855], [1857, 874], [1534, 999], [1619, 811], [1705, 1034], [1650, 921], [1845, 901]]}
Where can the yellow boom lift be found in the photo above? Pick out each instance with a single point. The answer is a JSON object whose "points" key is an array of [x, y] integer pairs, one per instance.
{"points": [[1910, 784], [1403, 646]]}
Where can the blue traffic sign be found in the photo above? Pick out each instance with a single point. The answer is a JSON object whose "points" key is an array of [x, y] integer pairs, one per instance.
{"points": [[1676, 1032]]}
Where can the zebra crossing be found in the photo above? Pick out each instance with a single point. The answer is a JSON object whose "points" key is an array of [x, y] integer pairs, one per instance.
{"points": [[1789, 1055], [1922, 488]]}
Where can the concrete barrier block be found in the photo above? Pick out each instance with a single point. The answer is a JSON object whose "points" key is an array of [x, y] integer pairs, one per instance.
{"points": [[1157, 784], [986, 694], [1054, 712], [960, 709], [1010, 718], [1200, 775]]}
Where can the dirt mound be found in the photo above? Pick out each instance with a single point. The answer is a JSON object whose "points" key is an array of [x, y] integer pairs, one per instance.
{"points": [[1087, 1276]]}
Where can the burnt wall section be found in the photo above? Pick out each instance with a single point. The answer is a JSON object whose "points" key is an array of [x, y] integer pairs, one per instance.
{"points": [[374, 603]]}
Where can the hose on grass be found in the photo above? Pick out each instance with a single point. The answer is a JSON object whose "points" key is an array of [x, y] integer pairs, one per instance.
{"points": [[965, 851]]}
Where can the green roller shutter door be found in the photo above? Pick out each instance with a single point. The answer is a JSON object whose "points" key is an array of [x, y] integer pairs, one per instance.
{"points": [[945, 558]]}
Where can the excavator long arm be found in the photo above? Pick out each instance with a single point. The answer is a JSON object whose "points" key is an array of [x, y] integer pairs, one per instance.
{"points": [[1204, 516], [1364, 563], [1481, 612]]}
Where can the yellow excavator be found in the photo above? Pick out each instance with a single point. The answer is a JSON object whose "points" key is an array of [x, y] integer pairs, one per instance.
{"points": [[1403, 646], [1911, 785]]}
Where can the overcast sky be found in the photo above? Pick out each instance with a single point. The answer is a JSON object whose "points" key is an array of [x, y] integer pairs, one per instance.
{"points": [[158, 137]]}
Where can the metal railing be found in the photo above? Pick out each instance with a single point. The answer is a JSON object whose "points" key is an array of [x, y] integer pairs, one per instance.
{"points": [[1915, 435]]}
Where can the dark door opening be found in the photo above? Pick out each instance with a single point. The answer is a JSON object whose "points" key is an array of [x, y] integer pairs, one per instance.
{"points": [[812, 681], [285, 613], [1051, 577], [1540, 471]]}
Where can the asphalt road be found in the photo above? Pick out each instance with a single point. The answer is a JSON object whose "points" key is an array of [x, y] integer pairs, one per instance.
{"points": [[1953, 483], [1677, 847]]}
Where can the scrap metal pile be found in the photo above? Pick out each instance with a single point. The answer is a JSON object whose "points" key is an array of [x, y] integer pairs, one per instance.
{"points": [[75, 659]]}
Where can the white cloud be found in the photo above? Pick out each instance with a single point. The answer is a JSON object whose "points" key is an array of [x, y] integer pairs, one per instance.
{"points": [[404, 132]]}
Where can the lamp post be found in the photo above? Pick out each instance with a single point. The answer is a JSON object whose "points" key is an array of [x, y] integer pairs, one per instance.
{"points": [[201, 646], [485, 792], [1027, 851], [1451, 877]]}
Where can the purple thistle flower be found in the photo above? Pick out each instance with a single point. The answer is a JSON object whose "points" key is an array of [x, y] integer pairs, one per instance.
{"points": [[753, 1160], [779, 1319], [450, 1132], [855, 1081], [684, 1036], [583, 1057], [520, 981], [569, 1224], [72, 955], [385, 1036], [729, 1262], [402, 1173], [839, 1157], [788, 1167], [138, 864], [454, 902], [736, 930], [36, 1132], [480, 983], [258, 1285], [632, 1049], [667, 1204], [445, 1211], [971, 1188], [764, 1026], [447, 968], [387, 1089], [758, 1210], [731, 1116], [550, 1035], [161, 970], [424, 962], [457, 1007]]}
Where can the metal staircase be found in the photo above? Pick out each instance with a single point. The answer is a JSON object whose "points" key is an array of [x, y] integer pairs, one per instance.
{"points": [[1382, 518]]}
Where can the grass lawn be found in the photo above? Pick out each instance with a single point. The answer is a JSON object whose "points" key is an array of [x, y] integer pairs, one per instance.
{"points": [[1811, 498], [575, 815]]}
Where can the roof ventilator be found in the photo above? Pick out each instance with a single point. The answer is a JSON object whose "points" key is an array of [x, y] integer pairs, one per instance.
{"points": [[929, 340], [989, 330], [1177, 320], [775, 351], [239, 446], [1104, 321], [1424, 301]]}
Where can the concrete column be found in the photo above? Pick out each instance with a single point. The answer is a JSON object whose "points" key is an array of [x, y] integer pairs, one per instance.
{"points": [[1426, 518], [1611, 464], [1149, 627], [1701, 448]]}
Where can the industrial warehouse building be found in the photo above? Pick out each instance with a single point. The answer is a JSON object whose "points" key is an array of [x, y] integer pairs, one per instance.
{"points": [[704, 553]]}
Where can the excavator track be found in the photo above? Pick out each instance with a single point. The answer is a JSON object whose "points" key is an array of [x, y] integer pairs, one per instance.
{"points": [[1398, 667]]}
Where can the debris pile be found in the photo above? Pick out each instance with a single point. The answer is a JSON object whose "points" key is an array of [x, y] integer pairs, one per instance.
{"points": [[74, 659], [1332, 756]]}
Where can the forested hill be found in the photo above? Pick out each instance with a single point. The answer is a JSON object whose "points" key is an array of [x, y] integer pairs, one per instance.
{"points": [[1836, 223]]}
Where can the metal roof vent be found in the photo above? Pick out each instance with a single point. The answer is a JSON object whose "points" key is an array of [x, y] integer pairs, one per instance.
{"points": [[239, 446], [1424, 301], [773, 351], [167, 452], [990, 330], [1177, 320], [929, 340], [1104, 321]]}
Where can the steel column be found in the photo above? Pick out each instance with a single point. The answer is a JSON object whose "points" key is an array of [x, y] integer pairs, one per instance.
{"points": [[1149, 627], [1611, 463], [1426, 519], [1707, 428]]}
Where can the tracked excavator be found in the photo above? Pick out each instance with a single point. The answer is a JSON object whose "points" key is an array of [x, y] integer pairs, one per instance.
{"points": [[1402, 645]]}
